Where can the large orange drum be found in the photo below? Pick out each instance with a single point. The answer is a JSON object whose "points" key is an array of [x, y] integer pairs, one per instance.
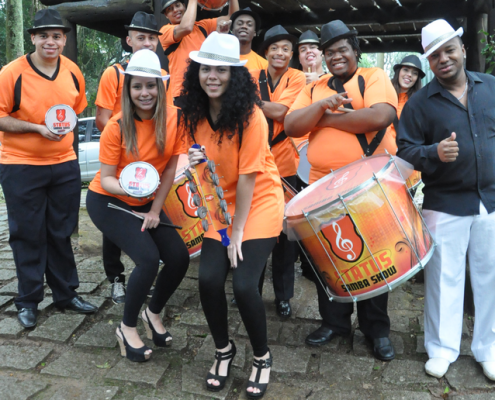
{"points": [[181, 210], [213, 5], [361, 228], [414, 181]]}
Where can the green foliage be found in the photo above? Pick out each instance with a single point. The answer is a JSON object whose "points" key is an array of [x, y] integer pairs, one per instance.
{"points": [[488, 51]]}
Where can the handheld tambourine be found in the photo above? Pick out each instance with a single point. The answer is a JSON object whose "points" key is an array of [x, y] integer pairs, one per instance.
{"points": [[139, 179], [60, 119], [212, 196]]}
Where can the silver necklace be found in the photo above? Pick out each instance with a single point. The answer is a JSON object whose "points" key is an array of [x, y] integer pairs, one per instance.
{"points": [[463, 93]]}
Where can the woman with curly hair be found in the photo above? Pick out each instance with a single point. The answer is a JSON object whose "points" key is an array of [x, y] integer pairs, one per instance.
{"points": [[220, 112], [406, 81]]}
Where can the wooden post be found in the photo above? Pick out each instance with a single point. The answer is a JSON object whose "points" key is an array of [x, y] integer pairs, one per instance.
{"points": [[380, 60]]}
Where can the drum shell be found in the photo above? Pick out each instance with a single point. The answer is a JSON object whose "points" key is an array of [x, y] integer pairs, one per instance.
{"points": [[304, 166], [181, 210], [380, 232], [212, 5], [414, 180]]}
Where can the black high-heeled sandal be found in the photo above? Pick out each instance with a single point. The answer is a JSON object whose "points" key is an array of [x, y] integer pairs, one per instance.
{"points": [[259, 365], [133, 354], [228, 355], [159, 339]]}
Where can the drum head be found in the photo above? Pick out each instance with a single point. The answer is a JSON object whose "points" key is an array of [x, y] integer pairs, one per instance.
{"points": [[304, 165], [212, 5], [139, 179], [60, 119]]}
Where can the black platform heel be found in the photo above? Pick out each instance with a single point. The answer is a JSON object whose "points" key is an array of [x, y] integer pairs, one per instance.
{"points": [[219, 356], [159, 339], [133, 354], [259, 365]]}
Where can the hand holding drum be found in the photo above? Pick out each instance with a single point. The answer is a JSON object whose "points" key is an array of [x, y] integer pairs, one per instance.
{"points": [[196, 155], [448, 149]]}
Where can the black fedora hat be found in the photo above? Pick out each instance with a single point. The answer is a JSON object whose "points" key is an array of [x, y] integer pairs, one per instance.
{"points": [[247, 11], [411, 61], [334, 31], [48, 19], [166, 3], [276, 34], [143, 22], [308, 37]]}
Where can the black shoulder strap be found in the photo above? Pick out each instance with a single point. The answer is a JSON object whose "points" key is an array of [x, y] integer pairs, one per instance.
{"points": [[265, 96], [170, 49], [368, 149], [203, 31], [396, 124], [124, 67]]}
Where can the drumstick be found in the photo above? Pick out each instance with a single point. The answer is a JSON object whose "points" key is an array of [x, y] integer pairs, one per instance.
{"points": [[309, 69], [141, 217], [346, 110]]}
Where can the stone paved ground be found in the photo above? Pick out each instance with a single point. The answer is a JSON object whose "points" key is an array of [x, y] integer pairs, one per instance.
{"points": [[69, 356]]}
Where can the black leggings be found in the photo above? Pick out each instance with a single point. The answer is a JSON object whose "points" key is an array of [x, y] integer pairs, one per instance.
{"points": [[213, 269], [145, 249]]}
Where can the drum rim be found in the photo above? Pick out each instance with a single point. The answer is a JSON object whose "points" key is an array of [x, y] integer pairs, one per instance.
{"points": [[301, 146], [154, 171], [394, 284], [348, 194]]}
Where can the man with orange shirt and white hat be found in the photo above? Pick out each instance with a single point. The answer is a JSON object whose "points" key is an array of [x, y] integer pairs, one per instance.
{"points": [[279, 86], [337, 139], [39, 171], [184, 35]]}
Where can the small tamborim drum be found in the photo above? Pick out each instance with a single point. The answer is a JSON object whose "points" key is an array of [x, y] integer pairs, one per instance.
{"points": [[181, 210], [304, 165], [212, 5], [60, 119], [362, 232], [139, 179]]}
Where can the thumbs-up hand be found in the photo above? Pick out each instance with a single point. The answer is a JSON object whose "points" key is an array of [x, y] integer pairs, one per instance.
{"points": [[448, 149]]}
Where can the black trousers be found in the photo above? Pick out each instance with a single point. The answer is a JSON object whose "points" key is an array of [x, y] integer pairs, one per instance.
{"points": [[145, 249], [43, 208], [213, 269], [372, 314], [111, 261]]}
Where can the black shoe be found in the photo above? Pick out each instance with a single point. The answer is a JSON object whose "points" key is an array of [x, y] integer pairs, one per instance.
{"points": [[259, 365], [226, 356], [159, 339], [383, 349], [284, 309], [321, 336], [27, 317], [132, 353], [81, 306], [118, 292]]}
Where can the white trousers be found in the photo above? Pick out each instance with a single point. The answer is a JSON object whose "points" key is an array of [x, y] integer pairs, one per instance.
{"points": [[457, 237]]}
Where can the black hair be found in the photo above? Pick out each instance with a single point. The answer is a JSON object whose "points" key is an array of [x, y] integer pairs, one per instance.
{"points": [[238, 102], [354, 42], [413, 89]]}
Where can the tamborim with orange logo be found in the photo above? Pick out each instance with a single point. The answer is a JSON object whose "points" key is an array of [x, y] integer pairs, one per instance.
{"points": [[60, 119], [363, 232], [182, 211], [139, 179]]}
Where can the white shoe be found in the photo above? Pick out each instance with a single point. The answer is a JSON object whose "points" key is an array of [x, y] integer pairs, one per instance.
{"points": [[489, 369], [438, 367]]}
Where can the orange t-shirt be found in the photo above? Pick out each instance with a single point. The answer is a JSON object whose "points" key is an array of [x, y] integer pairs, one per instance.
{"points": [[331, 148], [110, 89], [285, 92], [402, 102], [27, 94], [113, 151], [255, 61], [267, 207], [178, 60]]}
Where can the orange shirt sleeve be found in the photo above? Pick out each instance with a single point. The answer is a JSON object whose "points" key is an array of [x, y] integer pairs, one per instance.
{"points": [[108, 89], [210, 24], [111, 143], [297, 82], [303, 99], [379, 89], [252, 154], [167, 36], [7, 83]]}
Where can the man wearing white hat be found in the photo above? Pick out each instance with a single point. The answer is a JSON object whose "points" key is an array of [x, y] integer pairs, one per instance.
{"points": [[447, 131]]}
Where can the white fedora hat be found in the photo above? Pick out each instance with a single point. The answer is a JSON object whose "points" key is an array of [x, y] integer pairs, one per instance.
{"points": [[435, 34], [145, 63], [219, 49]]}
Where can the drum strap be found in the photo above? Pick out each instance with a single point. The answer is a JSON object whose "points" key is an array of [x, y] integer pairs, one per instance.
{"points": [[368, 149], [265, 96], [124, 67], [172, 48]]}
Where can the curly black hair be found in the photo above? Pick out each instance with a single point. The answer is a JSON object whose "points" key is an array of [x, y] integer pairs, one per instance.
{"points": [[354, 42], [238, 102]]}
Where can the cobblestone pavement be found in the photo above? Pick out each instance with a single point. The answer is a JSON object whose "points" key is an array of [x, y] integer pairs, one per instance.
{"points": [[71, 356]]}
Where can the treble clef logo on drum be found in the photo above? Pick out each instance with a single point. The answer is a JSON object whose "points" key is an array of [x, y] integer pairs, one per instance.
{"points": [[343, 239], [341, 181], [186, 198]]}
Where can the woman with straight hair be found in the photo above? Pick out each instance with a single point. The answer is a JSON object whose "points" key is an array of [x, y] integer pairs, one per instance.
{"points": [[406, 81], [145, 130], [221, 113]]}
